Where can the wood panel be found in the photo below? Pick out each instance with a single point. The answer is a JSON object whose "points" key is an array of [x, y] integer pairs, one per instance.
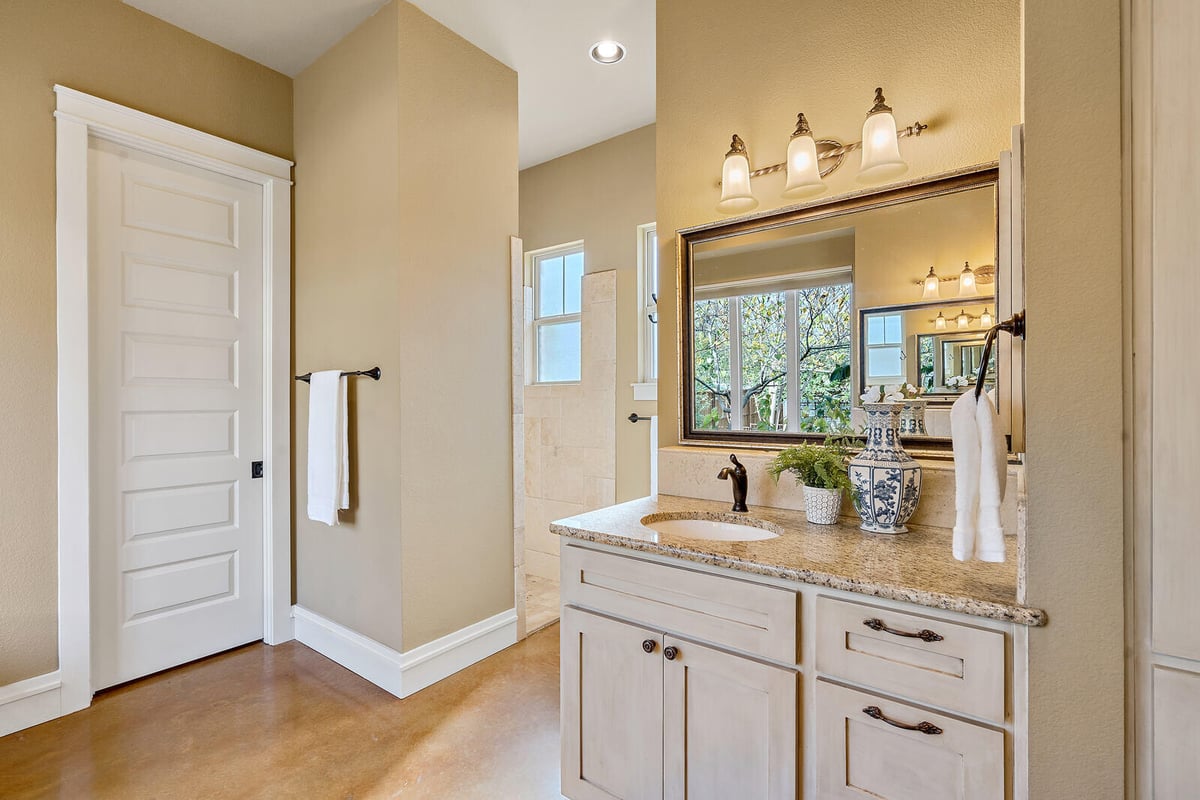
{"points": [[741, 615], [858, 756], [612, 706], [963, 671], [1176, 766], [729, 726]]}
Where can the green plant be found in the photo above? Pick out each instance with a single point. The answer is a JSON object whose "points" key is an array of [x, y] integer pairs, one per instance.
{"points": [[818, 466]]}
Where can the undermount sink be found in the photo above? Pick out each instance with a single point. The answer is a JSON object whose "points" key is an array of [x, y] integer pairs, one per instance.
{"points": [[725, 528]]}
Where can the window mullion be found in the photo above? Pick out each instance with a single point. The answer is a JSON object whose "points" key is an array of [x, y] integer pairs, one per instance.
{"points": [[735, 364], [792, 405]]}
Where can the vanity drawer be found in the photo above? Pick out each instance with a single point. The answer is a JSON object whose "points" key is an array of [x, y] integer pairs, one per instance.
{"points": [[745, 616], [868, 746], [962, 669]]}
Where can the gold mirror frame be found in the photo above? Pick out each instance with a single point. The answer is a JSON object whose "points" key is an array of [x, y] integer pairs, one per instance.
{"points": [[686, 239]]}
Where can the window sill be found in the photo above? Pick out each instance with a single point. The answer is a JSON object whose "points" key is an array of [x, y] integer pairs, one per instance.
{"points": [[645, 391]]}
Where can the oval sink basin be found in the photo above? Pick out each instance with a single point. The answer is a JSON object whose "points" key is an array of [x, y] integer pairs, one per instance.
{"points": [[721, 530]]}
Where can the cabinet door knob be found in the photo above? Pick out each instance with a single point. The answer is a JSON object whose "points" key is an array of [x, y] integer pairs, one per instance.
{"points": [[648, 645], [670, 653], [927, 728], [925, 635]]}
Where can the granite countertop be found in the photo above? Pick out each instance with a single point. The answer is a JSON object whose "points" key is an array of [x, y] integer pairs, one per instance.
{"points": [[915, 567]]}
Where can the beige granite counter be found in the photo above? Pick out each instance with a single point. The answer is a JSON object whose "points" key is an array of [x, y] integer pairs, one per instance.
{"points": [[916, 567]]}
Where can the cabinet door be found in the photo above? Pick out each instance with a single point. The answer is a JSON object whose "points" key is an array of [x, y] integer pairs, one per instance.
{"points": [[611, 709], [871, 747], [729, 726]]}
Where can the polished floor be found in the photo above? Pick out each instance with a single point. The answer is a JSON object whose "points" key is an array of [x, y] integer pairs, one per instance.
{"points": [[541, 602], [285, 722]]}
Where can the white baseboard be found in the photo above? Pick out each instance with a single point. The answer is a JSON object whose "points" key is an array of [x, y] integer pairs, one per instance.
{"points": [[30, 702], [403, 674]]}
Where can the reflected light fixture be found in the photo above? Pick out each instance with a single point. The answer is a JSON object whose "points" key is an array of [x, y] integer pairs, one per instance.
{"points": [[809, 160], [881, 159], [933, 286], [735, 180], [966, 282], [607, 51], [803, 172], [940, 322], [964, 319], [985, 319]]}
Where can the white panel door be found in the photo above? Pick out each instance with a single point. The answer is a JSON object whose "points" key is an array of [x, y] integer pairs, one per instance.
{"points": [[175, 293]]}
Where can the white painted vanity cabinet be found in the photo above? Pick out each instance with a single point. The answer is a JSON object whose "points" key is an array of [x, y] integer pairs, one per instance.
{"points": [[680, 680]]}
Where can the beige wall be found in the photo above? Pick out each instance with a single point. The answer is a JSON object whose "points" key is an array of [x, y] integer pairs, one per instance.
{"points": [[113, 51], [347, 294], [403, 213], [1073, 221], [715, 79], [601, 194]]}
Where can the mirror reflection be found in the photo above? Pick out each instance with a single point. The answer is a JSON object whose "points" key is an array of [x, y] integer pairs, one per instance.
{"points": [[792, 319]]}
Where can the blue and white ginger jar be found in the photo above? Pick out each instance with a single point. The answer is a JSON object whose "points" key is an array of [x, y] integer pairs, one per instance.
{"points": [[886, 480]]}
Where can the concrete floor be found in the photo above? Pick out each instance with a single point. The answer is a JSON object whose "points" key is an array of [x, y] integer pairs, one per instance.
{"points": [[285, 722]]}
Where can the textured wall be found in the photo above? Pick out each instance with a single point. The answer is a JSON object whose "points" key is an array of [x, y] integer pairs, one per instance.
{"points": [[1075, 543], [601, 194], [108, 49], [403, 218]]}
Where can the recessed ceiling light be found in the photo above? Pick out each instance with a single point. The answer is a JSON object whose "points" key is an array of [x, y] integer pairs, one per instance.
{"points": [[607, 52]]}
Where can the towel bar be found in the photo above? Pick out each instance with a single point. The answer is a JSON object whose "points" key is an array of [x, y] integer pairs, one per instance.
{"points": [[373, 373], [1014, 326]]}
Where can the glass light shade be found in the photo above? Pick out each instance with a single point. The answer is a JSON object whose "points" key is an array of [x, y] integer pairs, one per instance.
{"points": [[963, 320], [881, 159], [985, 319], [803, 171], [966, 282], [735, 184], [933, 286], [939, 323]]}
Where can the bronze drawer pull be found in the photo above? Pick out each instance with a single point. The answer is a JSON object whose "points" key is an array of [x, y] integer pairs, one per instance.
{"points": [[924, 634], [927, 728]]}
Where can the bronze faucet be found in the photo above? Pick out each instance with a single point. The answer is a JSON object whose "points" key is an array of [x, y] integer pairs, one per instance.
{"points": [[739, 482]]}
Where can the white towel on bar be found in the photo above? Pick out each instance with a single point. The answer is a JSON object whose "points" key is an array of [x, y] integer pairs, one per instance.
{"points": [[328, 447], [980, 477]]}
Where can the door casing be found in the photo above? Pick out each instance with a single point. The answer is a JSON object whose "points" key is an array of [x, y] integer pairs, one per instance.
{"points": [[79, 116]]}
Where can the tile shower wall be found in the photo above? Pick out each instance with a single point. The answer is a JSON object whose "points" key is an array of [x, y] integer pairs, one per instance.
{"points": [[570, 436]]}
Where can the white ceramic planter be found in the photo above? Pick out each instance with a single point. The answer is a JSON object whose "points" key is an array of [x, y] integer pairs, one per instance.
{"points": [[822, 506]]}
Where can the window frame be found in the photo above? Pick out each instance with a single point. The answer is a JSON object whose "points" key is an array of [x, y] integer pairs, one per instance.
{"points": [[647, 289], [535, 322], [900, 345]]}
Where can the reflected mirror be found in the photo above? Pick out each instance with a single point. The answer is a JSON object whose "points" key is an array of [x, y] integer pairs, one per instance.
{"points": [[789, 317]]}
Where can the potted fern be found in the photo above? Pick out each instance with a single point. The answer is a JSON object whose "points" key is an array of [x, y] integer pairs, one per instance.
{"points": [[821, 469]]}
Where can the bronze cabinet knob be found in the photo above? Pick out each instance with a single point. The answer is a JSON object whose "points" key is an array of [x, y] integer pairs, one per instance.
{"points": [[648, 645], [670, 653]]}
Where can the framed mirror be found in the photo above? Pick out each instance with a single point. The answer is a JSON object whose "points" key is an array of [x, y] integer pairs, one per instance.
{"points": [[787, 318]]}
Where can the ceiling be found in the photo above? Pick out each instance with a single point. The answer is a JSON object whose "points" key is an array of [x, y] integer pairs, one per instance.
{"points": [[566, 101]]}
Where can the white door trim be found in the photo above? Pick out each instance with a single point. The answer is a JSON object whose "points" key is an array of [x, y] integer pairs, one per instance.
{"points": [[79, 116]]}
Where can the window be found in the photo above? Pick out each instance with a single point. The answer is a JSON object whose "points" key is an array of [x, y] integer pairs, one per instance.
{"points": [[885, 349], [557, 292], [774, 360], [648, 281]]}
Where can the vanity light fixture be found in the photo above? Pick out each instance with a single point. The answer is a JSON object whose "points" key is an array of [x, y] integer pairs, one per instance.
{"points": [[803, 173], [809, 160], [966, 282], [933, 286], [881, 159], [939, 323], [607, 51], [985, 319], [735, 180], [964, 319]]}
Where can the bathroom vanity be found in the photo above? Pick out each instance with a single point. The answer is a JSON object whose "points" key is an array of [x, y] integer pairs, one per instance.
{"points": [[818, 662]]}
